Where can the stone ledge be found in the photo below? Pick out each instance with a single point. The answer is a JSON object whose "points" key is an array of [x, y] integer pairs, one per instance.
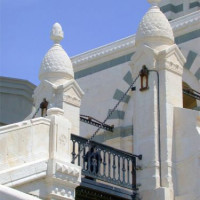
{"points": [[23, 174], [12, 194], [24, 124]]}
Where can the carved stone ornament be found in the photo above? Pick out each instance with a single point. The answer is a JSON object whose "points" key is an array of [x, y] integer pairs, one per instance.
{"points": [[155, 27], [56, 63], [68, 170], [173, 67], [63, 140], [56, 33], [72, 100], [72, 95], [171, 59], [62, 193]]}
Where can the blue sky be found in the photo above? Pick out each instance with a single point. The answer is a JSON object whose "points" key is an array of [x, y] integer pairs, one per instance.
{"points": [[25, 27]]}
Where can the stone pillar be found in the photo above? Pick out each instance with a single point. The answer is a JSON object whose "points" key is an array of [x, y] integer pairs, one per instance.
{"points": [[152, 142], [68, 97], [170, 66], [64, 98], [145, 122], [153, 108], [57, 82], [62, 176]]}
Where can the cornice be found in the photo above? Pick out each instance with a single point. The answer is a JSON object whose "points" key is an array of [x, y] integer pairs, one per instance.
{"points": [[24, 124], [128, 43], [109, 49], [191, 20]]}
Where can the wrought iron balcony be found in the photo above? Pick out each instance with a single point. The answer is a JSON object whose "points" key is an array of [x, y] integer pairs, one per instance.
{"points": [[115, 166]]}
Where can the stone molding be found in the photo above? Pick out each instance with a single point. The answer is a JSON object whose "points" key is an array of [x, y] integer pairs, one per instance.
{"points": [[170, 59], [61, 191], [174, 64], [190, 19], [170, 66], [69, 92], [186, 24], [23, 124], [55, 111], [65, 169], [24, 173], [72, 93], [63, 180], [106, 50], [12, 194], [72, 100]]}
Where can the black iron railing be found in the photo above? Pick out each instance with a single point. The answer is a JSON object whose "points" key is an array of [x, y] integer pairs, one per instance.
{"points": [[116, 167], [94, 122]]}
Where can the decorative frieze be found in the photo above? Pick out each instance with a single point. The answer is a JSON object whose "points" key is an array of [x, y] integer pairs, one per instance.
{"points": [[170, 66], [72, 100], [104, 51], [186, 20], [65, 169]]}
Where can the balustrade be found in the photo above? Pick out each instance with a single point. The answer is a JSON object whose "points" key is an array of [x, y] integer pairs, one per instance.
{"points": [[115, 166]]}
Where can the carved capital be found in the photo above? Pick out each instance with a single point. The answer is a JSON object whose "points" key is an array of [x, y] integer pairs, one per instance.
{"points": [[72, 100], [171, 66], [68, 170]]}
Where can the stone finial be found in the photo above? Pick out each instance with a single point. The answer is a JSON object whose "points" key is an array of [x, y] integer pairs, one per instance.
{"points": [[56, 66], [154, 2], [56, 33], [154, 28]]}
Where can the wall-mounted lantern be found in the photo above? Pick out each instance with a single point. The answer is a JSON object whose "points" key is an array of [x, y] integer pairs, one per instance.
{"points": [[144, 77]]}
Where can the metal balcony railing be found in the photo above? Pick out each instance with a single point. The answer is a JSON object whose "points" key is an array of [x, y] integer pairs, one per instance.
{"points": [[116, 167]]}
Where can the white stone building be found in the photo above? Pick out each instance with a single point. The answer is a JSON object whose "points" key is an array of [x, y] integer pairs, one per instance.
{"points": [[108, 67], [159, 121]]}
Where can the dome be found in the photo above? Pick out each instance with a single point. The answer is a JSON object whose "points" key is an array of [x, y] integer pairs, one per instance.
{"points": [[56, 64], [155, 27]]}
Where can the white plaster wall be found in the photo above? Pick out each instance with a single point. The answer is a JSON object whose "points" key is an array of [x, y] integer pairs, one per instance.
{"points": [[186, 154], [191, 45], [99, 89], [129, 111]]}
